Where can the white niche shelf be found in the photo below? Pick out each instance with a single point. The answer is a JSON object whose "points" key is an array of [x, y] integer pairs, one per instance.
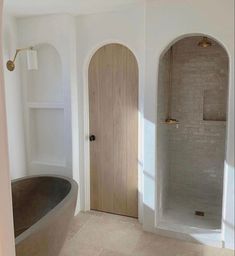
{"points": [[45, 105], [47, 135], [47, 114]]}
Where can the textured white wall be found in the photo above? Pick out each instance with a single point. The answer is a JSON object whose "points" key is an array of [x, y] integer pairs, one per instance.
{"points": [[14, 106], [94, 31], [159, 31], [54, 41], [146, 32], [75, 7], [59, 31], [167, 21], [7, 247], [163, 149]]}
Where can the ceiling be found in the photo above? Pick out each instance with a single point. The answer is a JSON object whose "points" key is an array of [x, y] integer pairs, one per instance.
{"points": [[75, 7]]}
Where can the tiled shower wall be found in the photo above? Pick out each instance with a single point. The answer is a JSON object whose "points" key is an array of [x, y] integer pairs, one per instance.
{"points": [[197, 148]]}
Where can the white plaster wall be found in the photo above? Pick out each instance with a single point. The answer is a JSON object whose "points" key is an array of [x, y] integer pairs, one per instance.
{"points": [[147, 33], [163, 138], [95, 30], [146, 30], [57, 31], [14, 106], [166, 21], [7, 240]]}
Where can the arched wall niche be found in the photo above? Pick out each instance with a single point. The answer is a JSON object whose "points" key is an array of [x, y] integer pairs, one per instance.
{"points": [[47, 114], [47, 82], [191, 80]]}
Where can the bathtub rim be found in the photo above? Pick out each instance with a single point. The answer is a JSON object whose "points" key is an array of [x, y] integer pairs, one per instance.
{"points": [[53, 212]]}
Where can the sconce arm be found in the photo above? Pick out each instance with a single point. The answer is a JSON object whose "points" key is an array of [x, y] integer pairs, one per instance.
{"points": [[21, 49]]}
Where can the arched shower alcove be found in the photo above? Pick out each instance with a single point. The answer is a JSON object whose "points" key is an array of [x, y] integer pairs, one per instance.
{"points": [[191, 133]]}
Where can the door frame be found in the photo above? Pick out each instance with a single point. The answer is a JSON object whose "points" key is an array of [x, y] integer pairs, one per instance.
{"points": [[86, 143]]}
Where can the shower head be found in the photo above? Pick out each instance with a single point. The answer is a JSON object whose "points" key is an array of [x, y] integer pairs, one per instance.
{"points": [[31, 59], [205, 42]]}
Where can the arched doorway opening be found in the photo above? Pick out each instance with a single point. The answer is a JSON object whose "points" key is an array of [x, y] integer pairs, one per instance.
{"points": [[113, 113]]}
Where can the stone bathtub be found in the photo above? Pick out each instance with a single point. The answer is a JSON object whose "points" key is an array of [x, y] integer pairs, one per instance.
{"points": [[43, 207]]}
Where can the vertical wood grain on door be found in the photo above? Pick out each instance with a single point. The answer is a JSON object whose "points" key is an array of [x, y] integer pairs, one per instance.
{"points": [[113, 101]]}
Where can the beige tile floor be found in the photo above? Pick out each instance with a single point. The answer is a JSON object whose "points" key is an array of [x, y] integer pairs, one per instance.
{"points": [[101, 234]]}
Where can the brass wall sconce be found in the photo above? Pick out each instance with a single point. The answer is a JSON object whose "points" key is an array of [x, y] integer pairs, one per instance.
{"points": [[31, 59]]}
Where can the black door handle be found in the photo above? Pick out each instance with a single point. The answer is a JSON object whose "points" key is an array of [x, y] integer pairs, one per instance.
{"points": [[92, 138]]}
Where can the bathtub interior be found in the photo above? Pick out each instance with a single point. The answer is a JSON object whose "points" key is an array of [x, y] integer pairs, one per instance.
{"points": [[192, 90], [33, 198]]}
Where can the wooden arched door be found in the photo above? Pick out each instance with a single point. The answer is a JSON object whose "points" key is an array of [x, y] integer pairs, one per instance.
{"points": [[113, 105]]}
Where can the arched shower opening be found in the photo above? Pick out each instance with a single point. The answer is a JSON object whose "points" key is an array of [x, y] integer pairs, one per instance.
{"points": [[191, 133]]}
